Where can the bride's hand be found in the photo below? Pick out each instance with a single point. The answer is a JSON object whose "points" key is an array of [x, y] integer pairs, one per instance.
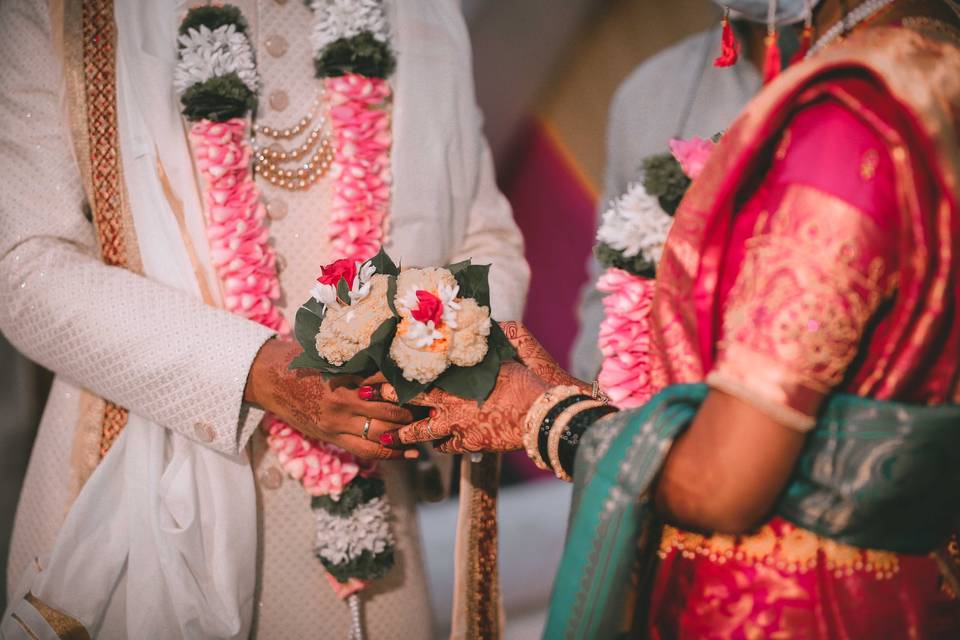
{"points": [[465, 426], [532, 354]]}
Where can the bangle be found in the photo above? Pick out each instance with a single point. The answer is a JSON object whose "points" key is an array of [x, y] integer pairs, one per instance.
{"points": [[597, 394], [559, 428], [546, 425], [570, 439], [535, 415]]}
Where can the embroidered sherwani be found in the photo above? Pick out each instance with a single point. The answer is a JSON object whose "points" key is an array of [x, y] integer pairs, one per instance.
{"points": [[183, 365]]}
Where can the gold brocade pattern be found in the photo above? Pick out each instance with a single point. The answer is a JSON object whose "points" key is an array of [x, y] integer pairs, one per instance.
{"points": [[791, 550], [812, 276], [66, 627], [100, 79], [674, 326], [477, 598]]}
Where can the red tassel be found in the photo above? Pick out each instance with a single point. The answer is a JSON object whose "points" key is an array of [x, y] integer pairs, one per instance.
{"points": [[771, 59], [806, 38], [729, 47]]}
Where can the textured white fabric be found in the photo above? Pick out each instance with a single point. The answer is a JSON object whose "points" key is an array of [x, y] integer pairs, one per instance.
{"points": [[183, 365], [649, 109]]}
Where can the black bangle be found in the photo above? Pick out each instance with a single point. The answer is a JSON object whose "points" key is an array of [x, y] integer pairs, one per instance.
{"points": [[570, 439], [547, 424]]}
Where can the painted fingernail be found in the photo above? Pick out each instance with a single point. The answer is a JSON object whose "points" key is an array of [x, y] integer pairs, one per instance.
{"points": [[433, 413], [386, 439], [411, 454], [365, 392]]}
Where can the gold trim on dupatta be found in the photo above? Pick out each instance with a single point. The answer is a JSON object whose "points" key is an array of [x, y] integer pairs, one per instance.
{"points": [[66, 627]]}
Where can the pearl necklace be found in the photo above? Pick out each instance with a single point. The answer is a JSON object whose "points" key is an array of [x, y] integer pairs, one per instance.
{"points": [[268, 160], [866, 10]]}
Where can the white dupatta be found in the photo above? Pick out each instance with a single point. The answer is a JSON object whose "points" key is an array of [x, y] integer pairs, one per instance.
{"points": [[161, 543]]}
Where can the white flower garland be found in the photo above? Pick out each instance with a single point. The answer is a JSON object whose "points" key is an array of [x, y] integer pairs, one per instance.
{"points": [[341, 539], [636, 224], [206, 54], [337, 19]]}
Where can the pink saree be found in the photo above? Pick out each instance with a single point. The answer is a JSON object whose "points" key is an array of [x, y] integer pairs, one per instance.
{"points": [[818, 252]]}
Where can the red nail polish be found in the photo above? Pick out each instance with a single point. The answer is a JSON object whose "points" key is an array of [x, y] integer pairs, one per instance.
{"points": [[365, 392], [433, 413], [386, 439]]}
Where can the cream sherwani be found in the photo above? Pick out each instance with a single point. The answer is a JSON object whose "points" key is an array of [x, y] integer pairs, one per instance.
{"points": [[178, 363]]}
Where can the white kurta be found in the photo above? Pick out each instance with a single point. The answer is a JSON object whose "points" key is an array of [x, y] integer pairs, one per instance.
{"points": [[165, 356]]}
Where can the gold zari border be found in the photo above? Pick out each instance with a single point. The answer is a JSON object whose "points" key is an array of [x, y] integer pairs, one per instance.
{"points": [[794, 550]]}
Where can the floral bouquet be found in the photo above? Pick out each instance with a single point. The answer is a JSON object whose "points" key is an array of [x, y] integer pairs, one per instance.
{"points": [[420, 328], [630, 241]]}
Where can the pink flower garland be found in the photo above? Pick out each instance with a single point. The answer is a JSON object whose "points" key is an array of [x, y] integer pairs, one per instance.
{"points": [[360, 131], [245, 262], [626, 372], [323, 469], [625, 338]]}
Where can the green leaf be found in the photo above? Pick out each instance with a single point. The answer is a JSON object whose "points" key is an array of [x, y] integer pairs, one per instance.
{"points": [[407, 390], [457, 267], [343, 291], [315, 307], [498, 340], [306, 361], [392, 294], [383, 264], [306, 326], [472, 383], [474, 283]]}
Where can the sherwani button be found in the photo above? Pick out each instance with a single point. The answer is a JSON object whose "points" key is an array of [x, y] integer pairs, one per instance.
{"points": [[279, 100], [272, 478], [276, 45], [277, 209], [204, 431]]}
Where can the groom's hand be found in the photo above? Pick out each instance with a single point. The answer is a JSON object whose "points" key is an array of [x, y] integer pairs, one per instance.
{"points": [[318, 409]]}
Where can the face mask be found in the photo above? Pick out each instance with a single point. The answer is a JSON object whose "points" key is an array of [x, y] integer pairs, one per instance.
{"points": [[788, 11]]}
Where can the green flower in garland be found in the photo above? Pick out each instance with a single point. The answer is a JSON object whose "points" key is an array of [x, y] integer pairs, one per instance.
{"points": [[362, 54]]}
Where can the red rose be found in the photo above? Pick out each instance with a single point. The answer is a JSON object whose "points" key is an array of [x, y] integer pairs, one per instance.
{"points": [[331, 274], [430, 308]]}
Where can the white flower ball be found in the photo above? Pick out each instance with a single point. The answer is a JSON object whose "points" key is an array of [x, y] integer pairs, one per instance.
{"points": [[469, 341], [346, 330]]}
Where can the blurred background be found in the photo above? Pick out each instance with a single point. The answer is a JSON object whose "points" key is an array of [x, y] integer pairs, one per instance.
{"points": [[546, 71]]}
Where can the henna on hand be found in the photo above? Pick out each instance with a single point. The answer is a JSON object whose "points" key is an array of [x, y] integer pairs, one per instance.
{"points": [[496, 425], [307, 402], [532, 354]]}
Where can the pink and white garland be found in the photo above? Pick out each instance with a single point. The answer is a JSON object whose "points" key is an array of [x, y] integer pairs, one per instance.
{"points": [[238, 236], [246, 264], [625, 338], [360, 132], [625, 333]]}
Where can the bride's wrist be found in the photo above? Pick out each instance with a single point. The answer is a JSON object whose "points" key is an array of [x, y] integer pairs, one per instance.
{"points": [[554, 423]]}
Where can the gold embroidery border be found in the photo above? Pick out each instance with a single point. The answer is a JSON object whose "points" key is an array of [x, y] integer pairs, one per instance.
{"points": [[66, 627], [793, 550], [92, 90], [477, 608]]}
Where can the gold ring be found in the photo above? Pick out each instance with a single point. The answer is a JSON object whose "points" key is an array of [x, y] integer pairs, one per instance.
{"points": [[366, 428], [430, 432]]}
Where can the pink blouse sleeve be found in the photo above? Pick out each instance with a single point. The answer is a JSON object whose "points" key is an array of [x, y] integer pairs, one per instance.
{"points": [[812, 259]]}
